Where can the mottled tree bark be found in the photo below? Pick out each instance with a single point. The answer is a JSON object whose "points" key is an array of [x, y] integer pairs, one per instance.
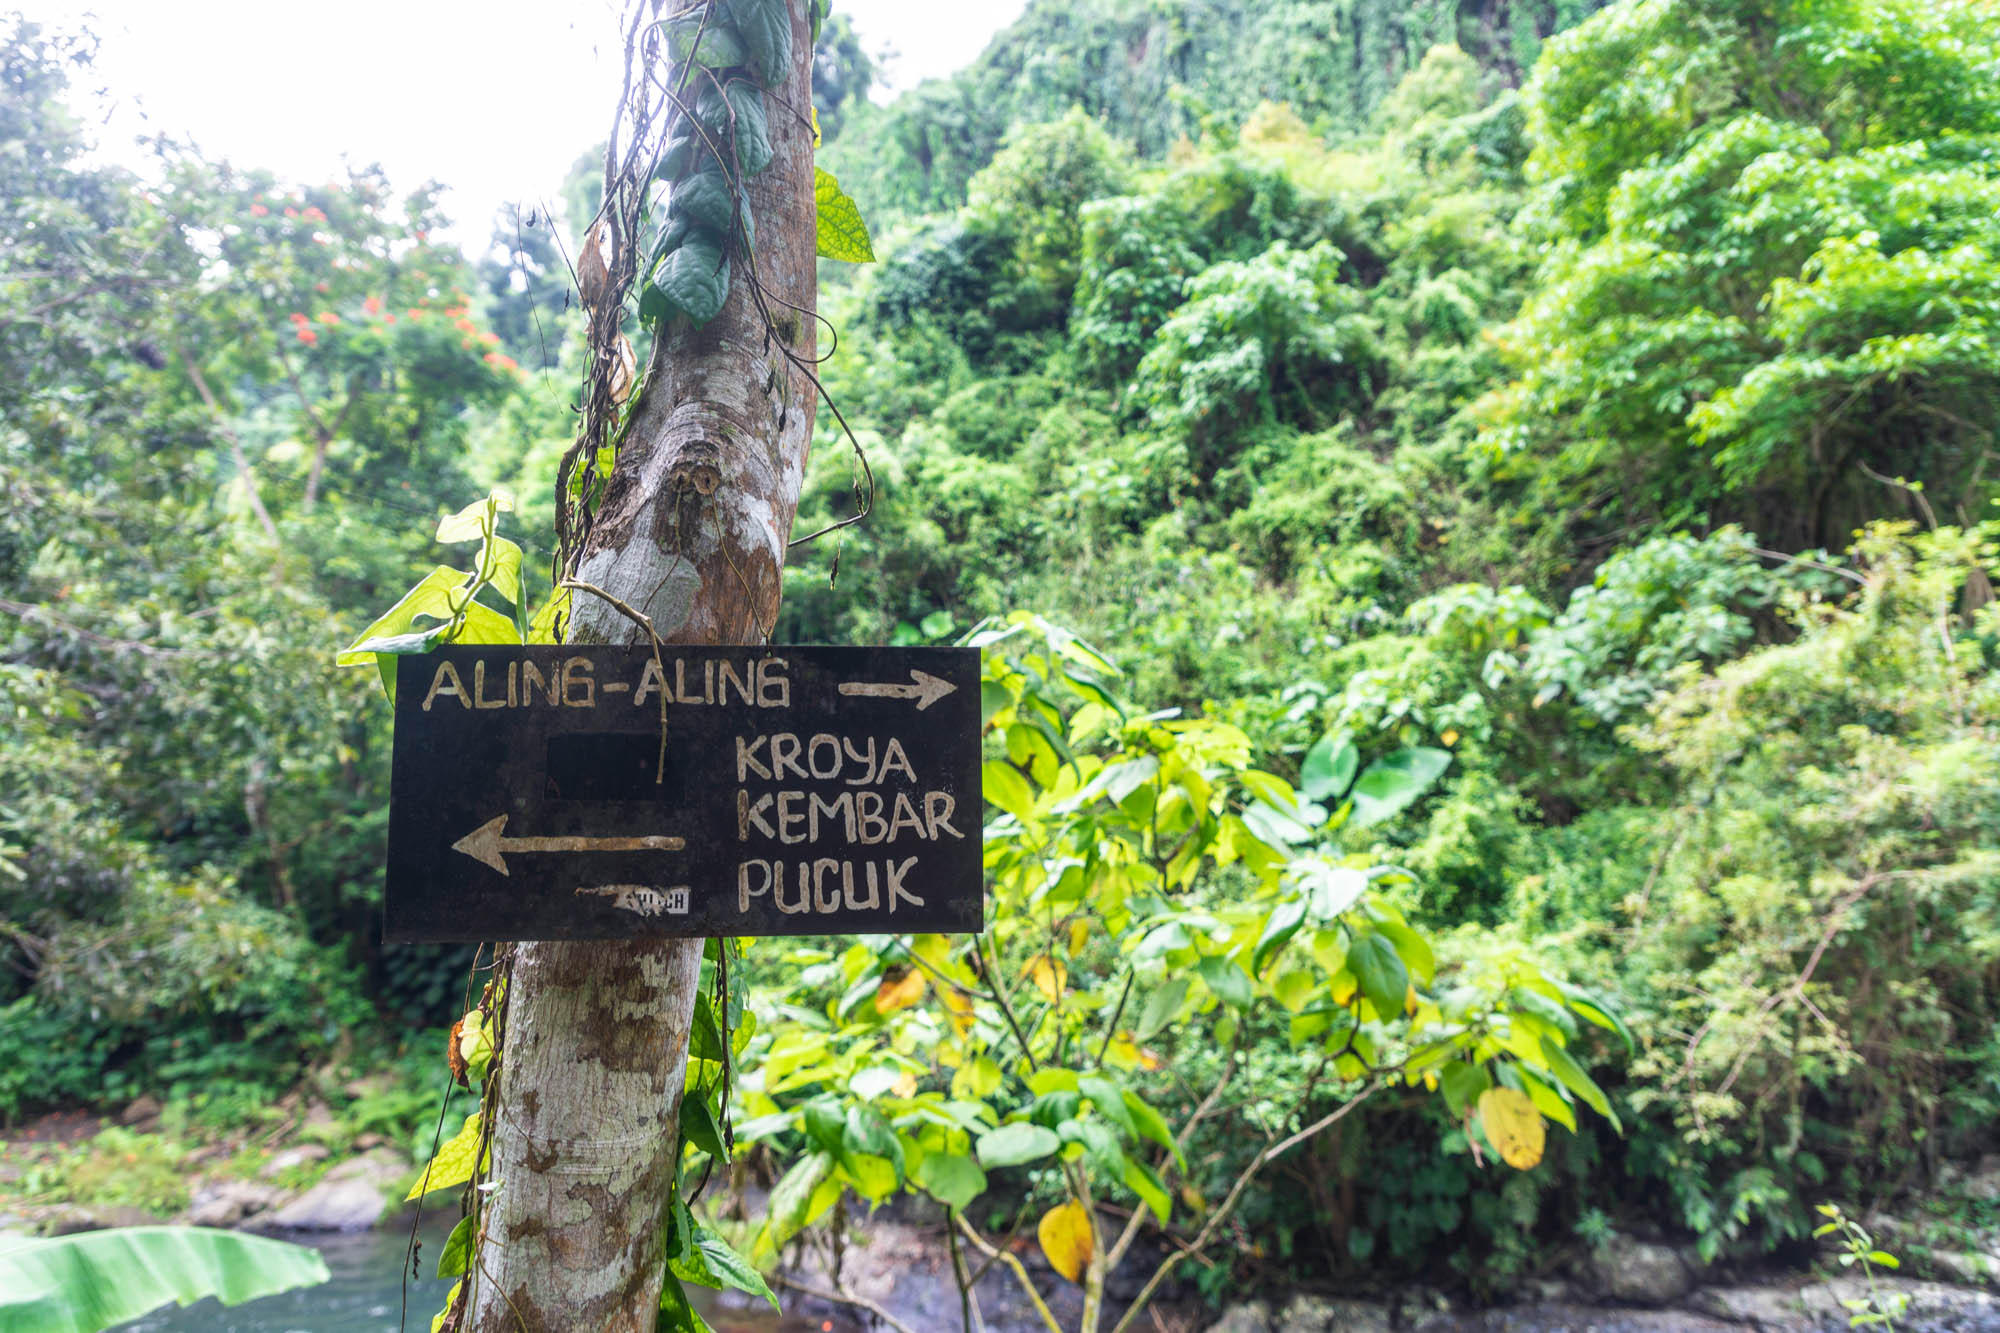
{"points": [[692, 533]]}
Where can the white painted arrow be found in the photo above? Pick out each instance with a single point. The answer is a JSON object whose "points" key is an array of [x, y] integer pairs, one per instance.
{"points": [[489, 844], [927, 690]]}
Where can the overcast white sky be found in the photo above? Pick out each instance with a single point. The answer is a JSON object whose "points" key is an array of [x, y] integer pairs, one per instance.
{"points": [[495, 97]]}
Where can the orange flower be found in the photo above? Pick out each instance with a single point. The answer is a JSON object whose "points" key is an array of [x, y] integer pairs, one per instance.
{"points": [[388, 319], [416, 313], [258, 211], [314, 215], [308, 337], [373, 305], [489, 337], [296, 318], [328, 317]]}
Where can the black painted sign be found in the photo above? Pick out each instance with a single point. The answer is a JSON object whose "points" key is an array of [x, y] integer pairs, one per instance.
{"points": [[588, 792]]}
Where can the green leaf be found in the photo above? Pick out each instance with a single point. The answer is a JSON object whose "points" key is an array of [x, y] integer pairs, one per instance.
{"points": [[766, 29], [699, 1127], [1109, 1099], [717, 1265], [677, 1314], [868, 1132], [456, 1255], [1412, 948], [1597, 1011], [453, 1162], [734, 111], [1395, 780], [1329, 767], [1548, 1100], [792, 1198], [431, 597], [82, 1283], [1162, 1006], [500, 559], [685, 151], [952, 1180], [1150, 1124], [825, 1125], [753, 134], [694, 280], [1279, 927], [1099, 1142], [1564, 1066], [720, 46], [1462, 1082], [542, 629], [873, 1177], [1006, 788], [1016, 1144], [1294, 988], [413, 644], [475, 520], [1379, 969], [705, 199], [484, 625], [841, 232], [1050, 1079], [1226, 979], [1143, 1181]]}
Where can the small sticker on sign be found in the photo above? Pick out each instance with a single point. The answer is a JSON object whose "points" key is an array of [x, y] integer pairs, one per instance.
{"points": [[643, 900]]}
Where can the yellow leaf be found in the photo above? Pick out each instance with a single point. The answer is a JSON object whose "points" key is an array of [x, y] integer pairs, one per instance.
{"points": [[959, 1007], [1450, 738], [1344, 986], [906, 1086], [1079, 931], [1513, 1126], [453, 1163], [899, 992], [815, 123], [1049, 977], [1066, 1239]]}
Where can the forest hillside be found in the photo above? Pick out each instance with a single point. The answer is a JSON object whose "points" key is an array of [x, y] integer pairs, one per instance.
{"points": [[1480, 519]]}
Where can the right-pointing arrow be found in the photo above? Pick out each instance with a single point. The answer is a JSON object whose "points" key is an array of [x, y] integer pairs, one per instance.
{"points": [[927, 690]]}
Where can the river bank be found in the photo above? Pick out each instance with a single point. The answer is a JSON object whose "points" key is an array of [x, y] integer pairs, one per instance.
{"points": [[72, 1172]]}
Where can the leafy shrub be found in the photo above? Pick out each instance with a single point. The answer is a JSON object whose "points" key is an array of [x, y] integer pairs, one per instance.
{"points": [[1275, 338], [1816, 951]]}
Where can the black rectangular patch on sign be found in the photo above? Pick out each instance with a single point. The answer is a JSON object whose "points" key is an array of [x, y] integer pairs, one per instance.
{"points": [[588, 792]]}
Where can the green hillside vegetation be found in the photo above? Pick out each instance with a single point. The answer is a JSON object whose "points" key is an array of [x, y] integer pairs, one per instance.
{"points": [[1470, 509]]}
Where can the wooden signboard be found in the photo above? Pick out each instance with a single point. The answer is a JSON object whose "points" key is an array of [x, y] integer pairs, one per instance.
{"points": [[588, 792]]}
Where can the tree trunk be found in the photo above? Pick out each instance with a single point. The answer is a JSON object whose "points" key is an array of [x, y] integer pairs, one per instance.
{"points": [[692, 533]]}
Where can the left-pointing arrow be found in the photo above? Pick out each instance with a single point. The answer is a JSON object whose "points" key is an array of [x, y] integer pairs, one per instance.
{"points": [[489, 843]]}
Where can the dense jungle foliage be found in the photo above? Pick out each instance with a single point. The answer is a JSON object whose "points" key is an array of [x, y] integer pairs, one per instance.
{"points": [[1531, 461]]}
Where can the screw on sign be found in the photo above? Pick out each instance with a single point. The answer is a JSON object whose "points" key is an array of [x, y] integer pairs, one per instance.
{"points": [[572, 792]]}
